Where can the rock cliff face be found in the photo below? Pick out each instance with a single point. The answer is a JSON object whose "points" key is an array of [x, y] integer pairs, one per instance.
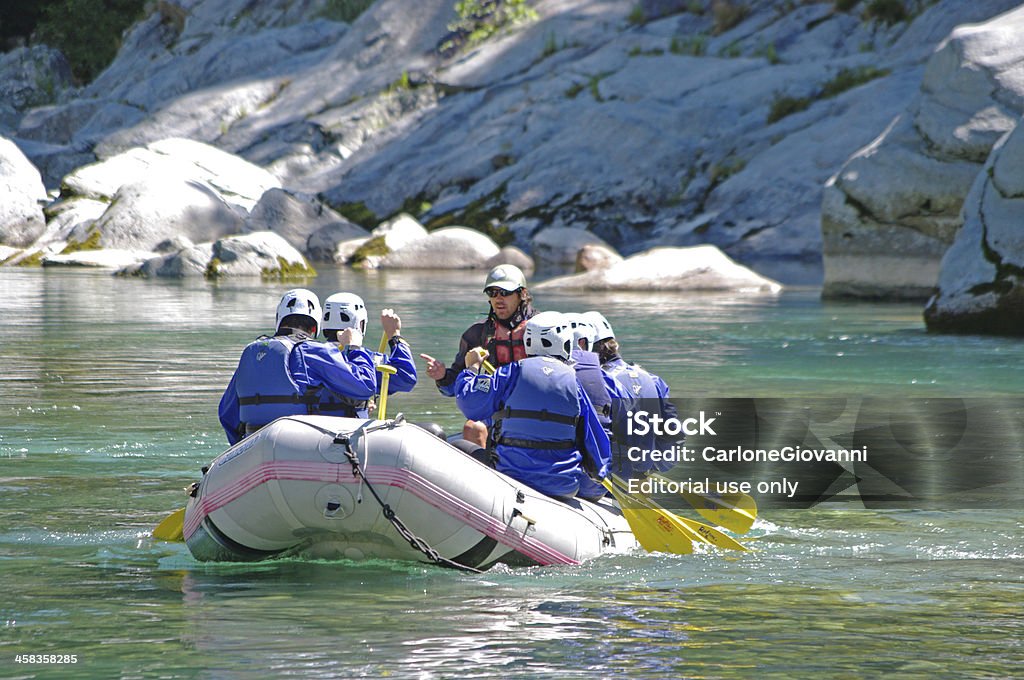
{"points": [[651, 123], [889, 215], [981, 284]]}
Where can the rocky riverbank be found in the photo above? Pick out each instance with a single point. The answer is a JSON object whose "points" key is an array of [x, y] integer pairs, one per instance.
{"points": [[810, 141]]}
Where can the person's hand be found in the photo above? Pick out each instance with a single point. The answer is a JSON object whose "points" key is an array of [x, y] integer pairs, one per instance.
{"points": [[435, 369], [391, 322], [475, 358], [350, 336]]}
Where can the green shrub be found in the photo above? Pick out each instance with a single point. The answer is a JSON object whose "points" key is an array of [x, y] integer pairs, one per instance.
{"points": [[359, 214], [849, 78], [845, 5], [887, 12], [636, 16], [480, 19], [693, 45], [728, 14], [784, 105], [88, 32], [345, 10]]}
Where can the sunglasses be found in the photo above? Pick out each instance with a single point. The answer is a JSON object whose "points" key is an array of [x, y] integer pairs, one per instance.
{"points": [[495, 292]]}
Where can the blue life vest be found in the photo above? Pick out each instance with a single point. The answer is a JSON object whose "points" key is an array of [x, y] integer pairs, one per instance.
{"points": [[543, 409], [635, 384], [266, 387], [591, 379], [535, 430]]}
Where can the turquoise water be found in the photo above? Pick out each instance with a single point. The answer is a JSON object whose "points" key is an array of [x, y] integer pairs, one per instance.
{"points": [[108, 392]]}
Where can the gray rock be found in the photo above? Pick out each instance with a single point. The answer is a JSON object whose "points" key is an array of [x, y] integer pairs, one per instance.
{"points": [[296, 217], [235, 180], [562, 245], [21, 192], [189, 262], [449, 248], [595, 257], [514, 256], [66, 217], [154, 209], [33, 76], [335, 242], [261, 253], [891, 212], [399, 231], [981, 282], [109, 258], [701, 268]]}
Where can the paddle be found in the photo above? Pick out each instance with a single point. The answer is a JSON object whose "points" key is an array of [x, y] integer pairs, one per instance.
{"points": [[693, 529], [653, 532], [734, 511], [172, 528]]}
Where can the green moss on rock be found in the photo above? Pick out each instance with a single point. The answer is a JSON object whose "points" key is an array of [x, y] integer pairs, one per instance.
{"points": [[376, 246], [91, 242], [33, 260], [213, 269], [358, 213], [286, 270]]}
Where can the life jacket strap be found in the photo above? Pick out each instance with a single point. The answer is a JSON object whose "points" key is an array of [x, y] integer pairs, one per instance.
{"points": [[543, 416], [534, 444]]}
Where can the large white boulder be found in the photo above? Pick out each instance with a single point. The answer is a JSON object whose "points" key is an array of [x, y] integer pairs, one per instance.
{"points": [[236, 180], [891, 212], [189, 262], [701, 268], [399, 231], [981, 283], [21, 190], [449, 248], [561, 245], [111, 258], [261, 253], [151, 210], [304, 221]]}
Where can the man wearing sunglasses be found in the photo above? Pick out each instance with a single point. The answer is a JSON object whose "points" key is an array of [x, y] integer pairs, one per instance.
{"points": [[501, 333]]}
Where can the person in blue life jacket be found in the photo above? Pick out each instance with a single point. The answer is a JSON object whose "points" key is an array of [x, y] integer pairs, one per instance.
{"points": [[635, 388], [510, 305], [596, 383], [544, 432], [287, 374], [599, 387], [348, 311]]}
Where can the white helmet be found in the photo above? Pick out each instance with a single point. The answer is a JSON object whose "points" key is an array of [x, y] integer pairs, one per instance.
{"points": [[582, 329], [602, 329], [344, 310], [299, 301], [548, 334]]}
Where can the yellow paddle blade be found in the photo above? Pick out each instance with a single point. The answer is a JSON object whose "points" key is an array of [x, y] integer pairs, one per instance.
{"points": [[653, 532], [711, 535], [697, 531], [172, 528], [734, 511]]}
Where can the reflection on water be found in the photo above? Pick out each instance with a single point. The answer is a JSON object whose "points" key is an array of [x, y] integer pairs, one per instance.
{"points": [[108, 393]]}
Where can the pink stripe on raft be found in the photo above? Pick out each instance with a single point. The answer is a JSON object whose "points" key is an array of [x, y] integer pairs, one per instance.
{"points": [[418, 486]]}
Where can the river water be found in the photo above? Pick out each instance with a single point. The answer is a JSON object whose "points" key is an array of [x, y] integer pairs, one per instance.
{"points": [[108, 395]]}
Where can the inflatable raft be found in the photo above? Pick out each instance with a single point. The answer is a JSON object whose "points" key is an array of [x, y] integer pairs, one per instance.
{"points": [[326, 487]]}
